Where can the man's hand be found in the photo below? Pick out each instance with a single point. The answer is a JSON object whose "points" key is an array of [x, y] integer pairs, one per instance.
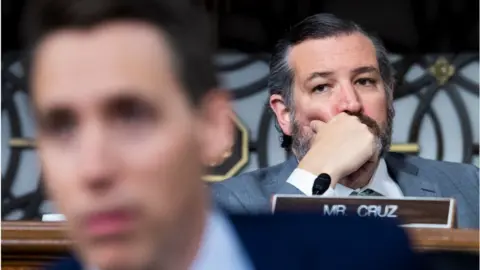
{"points": [[340, 147]]}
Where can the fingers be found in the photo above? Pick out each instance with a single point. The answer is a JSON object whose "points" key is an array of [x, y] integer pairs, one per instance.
{"points": [[316, 125], [358, 118], [340, 116]]}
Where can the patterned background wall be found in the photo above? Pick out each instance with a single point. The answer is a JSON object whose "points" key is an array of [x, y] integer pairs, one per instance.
{"points": [[436, 101]]}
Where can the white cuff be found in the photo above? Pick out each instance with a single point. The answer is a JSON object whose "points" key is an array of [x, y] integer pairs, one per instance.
{"points": [[303, 180], [329, 193]]}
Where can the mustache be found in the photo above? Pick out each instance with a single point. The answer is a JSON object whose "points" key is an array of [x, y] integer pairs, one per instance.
{"points": [[369, 122]]}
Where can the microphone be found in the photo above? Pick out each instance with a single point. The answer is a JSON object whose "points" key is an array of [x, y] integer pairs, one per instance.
{"points": [[321, 184]]}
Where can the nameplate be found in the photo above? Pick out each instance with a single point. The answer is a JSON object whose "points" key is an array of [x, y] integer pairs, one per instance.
{"points": [[409, 211]]}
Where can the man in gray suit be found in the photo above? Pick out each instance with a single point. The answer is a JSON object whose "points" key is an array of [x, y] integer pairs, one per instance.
{"points": [[331, 90]]}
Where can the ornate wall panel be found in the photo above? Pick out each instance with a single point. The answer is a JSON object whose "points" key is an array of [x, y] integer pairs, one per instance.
{"points": [[436, 103]]}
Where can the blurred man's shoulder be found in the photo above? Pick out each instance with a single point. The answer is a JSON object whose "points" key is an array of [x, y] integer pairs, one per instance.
{"points": [[66, 263], [310, 241]]}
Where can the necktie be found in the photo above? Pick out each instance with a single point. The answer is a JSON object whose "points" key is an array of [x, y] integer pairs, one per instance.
{"points": [[366, 192]]}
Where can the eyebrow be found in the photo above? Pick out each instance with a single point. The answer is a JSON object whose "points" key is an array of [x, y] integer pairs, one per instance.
{"points": [[355, 72], [365, 69], [65, 107], [319, 74]]}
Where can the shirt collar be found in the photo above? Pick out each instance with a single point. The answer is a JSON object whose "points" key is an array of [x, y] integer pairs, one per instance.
{"points": [[379, 179], [220, 248], [377, 183]]}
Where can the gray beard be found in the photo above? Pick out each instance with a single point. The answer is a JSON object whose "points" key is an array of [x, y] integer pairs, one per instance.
{"points": [[301, 141]]}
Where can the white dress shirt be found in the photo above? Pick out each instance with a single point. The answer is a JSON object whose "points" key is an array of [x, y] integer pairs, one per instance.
{"points": [[381, 182], [221, 248]]}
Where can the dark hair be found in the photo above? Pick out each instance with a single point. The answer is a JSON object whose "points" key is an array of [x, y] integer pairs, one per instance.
{"points": [[318, 26], [186, 28]]}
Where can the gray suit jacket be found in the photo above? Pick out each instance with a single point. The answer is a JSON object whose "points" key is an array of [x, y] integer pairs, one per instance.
{"points": [[417, 177]]}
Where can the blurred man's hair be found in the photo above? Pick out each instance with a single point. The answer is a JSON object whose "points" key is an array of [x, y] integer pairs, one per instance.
{"points": [[186, 28], [319, 26]]}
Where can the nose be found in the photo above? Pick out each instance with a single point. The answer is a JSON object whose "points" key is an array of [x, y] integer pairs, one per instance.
{"points": [[95, 162], [348, 100]]}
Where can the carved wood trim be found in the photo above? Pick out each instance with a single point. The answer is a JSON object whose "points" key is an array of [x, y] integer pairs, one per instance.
{"points": [[32, 245], [445, 239], [21, 236]]}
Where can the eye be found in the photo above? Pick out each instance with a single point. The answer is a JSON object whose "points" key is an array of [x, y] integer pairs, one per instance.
{"points": [[320, 88], [366, 81], [59, 123], [131, 110]]}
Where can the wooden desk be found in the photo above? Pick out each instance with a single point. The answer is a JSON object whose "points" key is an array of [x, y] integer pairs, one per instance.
{"points": [[29, 245], [445, 239]]}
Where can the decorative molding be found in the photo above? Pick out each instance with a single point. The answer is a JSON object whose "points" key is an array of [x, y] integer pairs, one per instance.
{"points": [[22, 143], [442, 75], [237, 159], [407, 148], [442, 70]]}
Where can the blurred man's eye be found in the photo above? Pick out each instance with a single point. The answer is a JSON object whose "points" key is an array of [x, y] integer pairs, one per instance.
{"points": [[131, 110], [58, 123]]}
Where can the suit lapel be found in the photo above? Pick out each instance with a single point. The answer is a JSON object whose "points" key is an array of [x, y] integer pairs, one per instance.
{"points": [[404, 173], [282, 176], [407, 177]]}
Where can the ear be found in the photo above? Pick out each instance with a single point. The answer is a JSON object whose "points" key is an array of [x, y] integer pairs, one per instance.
{"points": [[217, 133], [282, 113]]}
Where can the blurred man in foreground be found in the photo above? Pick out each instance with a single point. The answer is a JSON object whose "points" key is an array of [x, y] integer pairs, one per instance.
{"points": [[128, 113], [331, 90]]}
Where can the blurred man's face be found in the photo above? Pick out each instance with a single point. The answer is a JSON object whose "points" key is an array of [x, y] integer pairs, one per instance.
{"points": [[121, 148]]}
